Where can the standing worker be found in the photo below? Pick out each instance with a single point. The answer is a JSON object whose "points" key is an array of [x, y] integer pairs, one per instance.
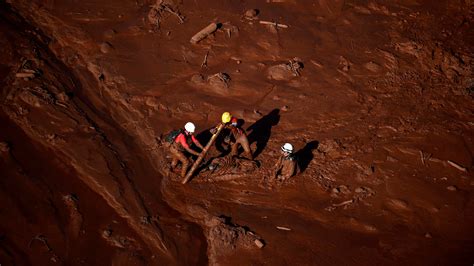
{"points": [[286, 164], [240, 139], [235, 136], [180, 144]]}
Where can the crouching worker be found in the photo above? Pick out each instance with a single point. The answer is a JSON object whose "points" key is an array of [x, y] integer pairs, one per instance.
{"points": [[181, 142], [286, 164]]}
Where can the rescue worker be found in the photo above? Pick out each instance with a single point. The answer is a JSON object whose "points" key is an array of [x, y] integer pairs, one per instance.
{"points": [[286, 164], [181, 144], [234, 136], [239, 139]]}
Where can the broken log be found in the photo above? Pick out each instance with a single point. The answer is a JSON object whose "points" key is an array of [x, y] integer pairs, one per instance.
{"points": [[273, 24], [203, 154], [204, 33], [25, 75], [457, 166]]}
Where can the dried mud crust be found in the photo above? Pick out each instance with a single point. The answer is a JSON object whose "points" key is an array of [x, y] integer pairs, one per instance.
{"points": [[376, 97]]}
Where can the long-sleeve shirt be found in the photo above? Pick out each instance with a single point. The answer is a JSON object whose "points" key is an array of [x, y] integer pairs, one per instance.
{"points": [[181, 139]]}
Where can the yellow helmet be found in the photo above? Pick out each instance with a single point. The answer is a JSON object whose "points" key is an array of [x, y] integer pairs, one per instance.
{"points": [[226, 117]]}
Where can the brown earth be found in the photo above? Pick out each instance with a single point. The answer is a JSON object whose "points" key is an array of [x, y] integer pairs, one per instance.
{"points": [[377, 97]]}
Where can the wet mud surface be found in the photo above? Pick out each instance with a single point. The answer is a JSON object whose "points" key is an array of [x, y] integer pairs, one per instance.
{"points": [[376, 97]]}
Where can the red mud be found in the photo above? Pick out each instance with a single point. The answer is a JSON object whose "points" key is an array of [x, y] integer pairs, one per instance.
{"points": [[376, 96]]}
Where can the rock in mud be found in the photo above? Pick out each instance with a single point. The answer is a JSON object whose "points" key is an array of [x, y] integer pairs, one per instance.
{"points": [[219, 83], [452, 188], [106, 47], [224, 237], [251, 14], [285, 71], [4, 147]]}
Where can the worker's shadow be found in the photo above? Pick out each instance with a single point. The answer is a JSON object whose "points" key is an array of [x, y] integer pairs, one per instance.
{"points": [[262, 130], [305, 155]]}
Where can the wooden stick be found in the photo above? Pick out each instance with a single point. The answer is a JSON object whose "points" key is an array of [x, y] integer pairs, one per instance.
{"points": [[343, 203], [204, 62], [422, 157], [203, 153], [24, 75], [283, 228], [167, 8], [457, 166], [204, 33], [273, 24]]}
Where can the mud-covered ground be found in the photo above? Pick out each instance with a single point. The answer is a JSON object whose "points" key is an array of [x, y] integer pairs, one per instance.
{"points": [[376, 96]]}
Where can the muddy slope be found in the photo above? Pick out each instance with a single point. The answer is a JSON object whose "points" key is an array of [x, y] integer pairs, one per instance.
{"points": [[375, 95]]}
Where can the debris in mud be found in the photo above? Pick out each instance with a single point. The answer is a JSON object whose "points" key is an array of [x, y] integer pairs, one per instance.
{"points": [[75, 217], [457, 166], [285, 71], [452, 188], [224, 237], [251, 14], [106, 47], [344, 64], [274, 24], [120, 241], [202, 34], [230, 168], [43, 240], [219, 82], [156, 12], [4, 147]]}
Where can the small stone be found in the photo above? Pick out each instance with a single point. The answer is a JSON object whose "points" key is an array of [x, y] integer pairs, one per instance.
{"points": [[259, 243], [452, 188], [238, 62], [105, 47], [110, 33], [276, 98], [428, 235], [285, 108]]}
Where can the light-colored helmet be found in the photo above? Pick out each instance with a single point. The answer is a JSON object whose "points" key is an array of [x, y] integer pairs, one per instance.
{"points": [[287, 147], [226, 117], [190, 127]]}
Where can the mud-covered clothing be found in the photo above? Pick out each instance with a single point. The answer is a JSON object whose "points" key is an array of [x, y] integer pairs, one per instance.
{"points": [[179, 156], [236, 136], [285, 167], [182, 143]]}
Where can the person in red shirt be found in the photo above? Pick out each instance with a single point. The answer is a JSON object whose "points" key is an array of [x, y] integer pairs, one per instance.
{"points": [[181, 144]]}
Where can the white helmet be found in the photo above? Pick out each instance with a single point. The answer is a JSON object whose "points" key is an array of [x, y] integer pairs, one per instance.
{"points": [[287, 147], [190, 127]]}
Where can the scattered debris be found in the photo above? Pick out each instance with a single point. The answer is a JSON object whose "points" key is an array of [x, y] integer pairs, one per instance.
{"points": [[106, 47], [277, 25], [43, 240], [4, 147], [452, 188], [211, 28], [343, 203], [204, 62], [251, 14], [457, 166]]}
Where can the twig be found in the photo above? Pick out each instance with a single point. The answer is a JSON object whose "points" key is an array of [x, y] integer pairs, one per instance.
{"points": [[457, 166], [343, 203], [422, 157], [204, 62], [283, 228], [180, 17], [273, 24]]}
